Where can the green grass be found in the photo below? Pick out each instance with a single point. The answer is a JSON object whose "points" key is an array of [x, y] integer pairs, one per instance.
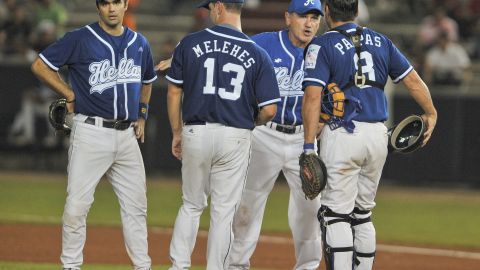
{"points": [[406, 216]]}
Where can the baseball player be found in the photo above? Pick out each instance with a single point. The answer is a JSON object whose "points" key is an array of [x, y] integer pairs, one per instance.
{"points": [[111, 71], [277, 145], [359, 60], [221, 84]]}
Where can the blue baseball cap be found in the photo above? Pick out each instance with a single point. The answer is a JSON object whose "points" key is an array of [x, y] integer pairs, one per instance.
{"points": [[205, 3], [305, 6]]}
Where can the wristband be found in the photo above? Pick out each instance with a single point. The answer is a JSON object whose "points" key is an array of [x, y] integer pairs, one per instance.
{"points": [[308, 146], [143, 111]]}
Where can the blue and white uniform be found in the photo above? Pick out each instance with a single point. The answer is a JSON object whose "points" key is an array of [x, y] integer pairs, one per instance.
{"points": [[275, 148], [355, 160], [225, 78], [106, 73]]}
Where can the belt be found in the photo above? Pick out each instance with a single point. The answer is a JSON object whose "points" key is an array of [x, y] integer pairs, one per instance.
{"points": [[190, 123], [116, 124], [288, 129]]}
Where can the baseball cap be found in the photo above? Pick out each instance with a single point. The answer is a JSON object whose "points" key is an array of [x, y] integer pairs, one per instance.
{"points": [[304, 6], [205, 3]]}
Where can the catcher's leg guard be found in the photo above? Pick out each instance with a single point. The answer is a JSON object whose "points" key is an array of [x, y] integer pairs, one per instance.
{"points": [[337, 239], [364, 239]]}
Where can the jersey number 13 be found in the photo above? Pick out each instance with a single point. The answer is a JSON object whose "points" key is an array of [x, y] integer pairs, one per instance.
{"points": [[236, 82]]}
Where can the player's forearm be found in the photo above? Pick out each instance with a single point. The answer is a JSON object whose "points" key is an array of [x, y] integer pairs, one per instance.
{"points": [[266, 114], [311, 112], [420, 93], [146, 93], [174, 102], [52, 79]]}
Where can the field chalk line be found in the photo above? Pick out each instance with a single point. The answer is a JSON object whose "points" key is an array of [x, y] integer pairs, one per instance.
{"points": [[380, 247]]}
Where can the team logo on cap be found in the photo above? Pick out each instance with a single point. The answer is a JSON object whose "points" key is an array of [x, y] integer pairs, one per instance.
{"points": [[308, 2]]}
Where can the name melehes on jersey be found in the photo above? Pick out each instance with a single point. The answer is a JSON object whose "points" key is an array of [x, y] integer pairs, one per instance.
{"points": [[289, 85], [105, 76], [224, 47], [347, 45]]}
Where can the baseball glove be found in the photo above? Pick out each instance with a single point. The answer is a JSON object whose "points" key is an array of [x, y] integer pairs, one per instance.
{"points": [[58, 116], [313, 174]]}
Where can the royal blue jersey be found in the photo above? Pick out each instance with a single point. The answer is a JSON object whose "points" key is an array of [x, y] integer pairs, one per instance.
{"points": [[332, 58], [106, 72], [225, 77], [288, 62]]}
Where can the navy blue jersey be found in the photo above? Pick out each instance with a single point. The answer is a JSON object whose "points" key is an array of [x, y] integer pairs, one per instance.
{"points": [[288, 62], [225, 77], [332, 58], [106, 72]]}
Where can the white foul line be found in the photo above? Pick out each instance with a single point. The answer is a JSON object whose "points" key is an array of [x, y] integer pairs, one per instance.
{"points": [[380, 247]]}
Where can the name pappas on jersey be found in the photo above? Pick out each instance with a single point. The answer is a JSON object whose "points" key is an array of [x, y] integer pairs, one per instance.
{"points": [[332, 58], [225, 77]]}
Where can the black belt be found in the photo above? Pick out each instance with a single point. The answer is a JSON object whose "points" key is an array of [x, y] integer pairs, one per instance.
{"points": [[118, 124], [283, 128], [190, 123]]}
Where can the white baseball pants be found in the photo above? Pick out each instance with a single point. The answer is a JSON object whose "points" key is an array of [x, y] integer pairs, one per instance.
{"points": [[272, 152], [215, 160], [95, 151], [354, 164]]}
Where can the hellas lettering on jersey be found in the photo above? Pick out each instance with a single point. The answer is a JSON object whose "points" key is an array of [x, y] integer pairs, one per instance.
{"points": [[224, 47], [289, 85], [347, 45], [105, 76]]}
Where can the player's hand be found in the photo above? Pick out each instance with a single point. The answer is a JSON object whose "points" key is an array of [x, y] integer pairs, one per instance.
{"points": [[430, 121], [139, 127], [164, 65], [177, 146]]}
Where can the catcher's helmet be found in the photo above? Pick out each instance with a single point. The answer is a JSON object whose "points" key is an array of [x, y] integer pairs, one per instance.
{"points": [[406, 136]]}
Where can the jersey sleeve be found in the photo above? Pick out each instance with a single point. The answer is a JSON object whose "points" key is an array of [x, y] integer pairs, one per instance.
{"points": [[399, 64], [266, 86], [175, 73], [316, 67], [62, 52], [149, 74]]}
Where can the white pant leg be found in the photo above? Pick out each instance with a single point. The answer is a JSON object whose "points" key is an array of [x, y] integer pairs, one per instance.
{"points": [[265, 165], [90, 155], [127, 176], [197, 156], [227, 180], [302, 213], [368, 181]]}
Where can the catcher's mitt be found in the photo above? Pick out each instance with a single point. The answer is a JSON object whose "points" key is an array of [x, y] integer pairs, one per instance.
{"points": [[57, 114], [313, 174]]}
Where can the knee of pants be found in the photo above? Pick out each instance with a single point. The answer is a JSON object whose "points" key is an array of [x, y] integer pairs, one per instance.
{"points": [[75, 211], [364, 231], [193, 209]]}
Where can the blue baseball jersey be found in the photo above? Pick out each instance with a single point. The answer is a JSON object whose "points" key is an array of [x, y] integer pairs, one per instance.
{"points": [[106, 72], [332, 58], [225, 77], [288, 63]]}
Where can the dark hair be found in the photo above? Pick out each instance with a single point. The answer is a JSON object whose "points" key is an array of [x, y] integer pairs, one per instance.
{"points": [[100, 2], [342, 10], [234, 7]]}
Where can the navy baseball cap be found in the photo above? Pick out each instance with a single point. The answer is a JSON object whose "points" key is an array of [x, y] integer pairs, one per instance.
{"points": [[205, 3], [305, 6]]}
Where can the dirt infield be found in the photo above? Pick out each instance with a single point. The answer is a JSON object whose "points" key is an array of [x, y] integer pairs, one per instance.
{"points": [[41, 243]]}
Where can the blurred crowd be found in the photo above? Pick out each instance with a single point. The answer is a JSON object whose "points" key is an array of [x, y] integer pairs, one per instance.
{"points": [[28, 26], [445, 43]]}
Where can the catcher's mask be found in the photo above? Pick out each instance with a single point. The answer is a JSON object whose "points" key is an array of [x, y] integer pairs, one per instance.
{"points": [[333, 108], [406, 136]]}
